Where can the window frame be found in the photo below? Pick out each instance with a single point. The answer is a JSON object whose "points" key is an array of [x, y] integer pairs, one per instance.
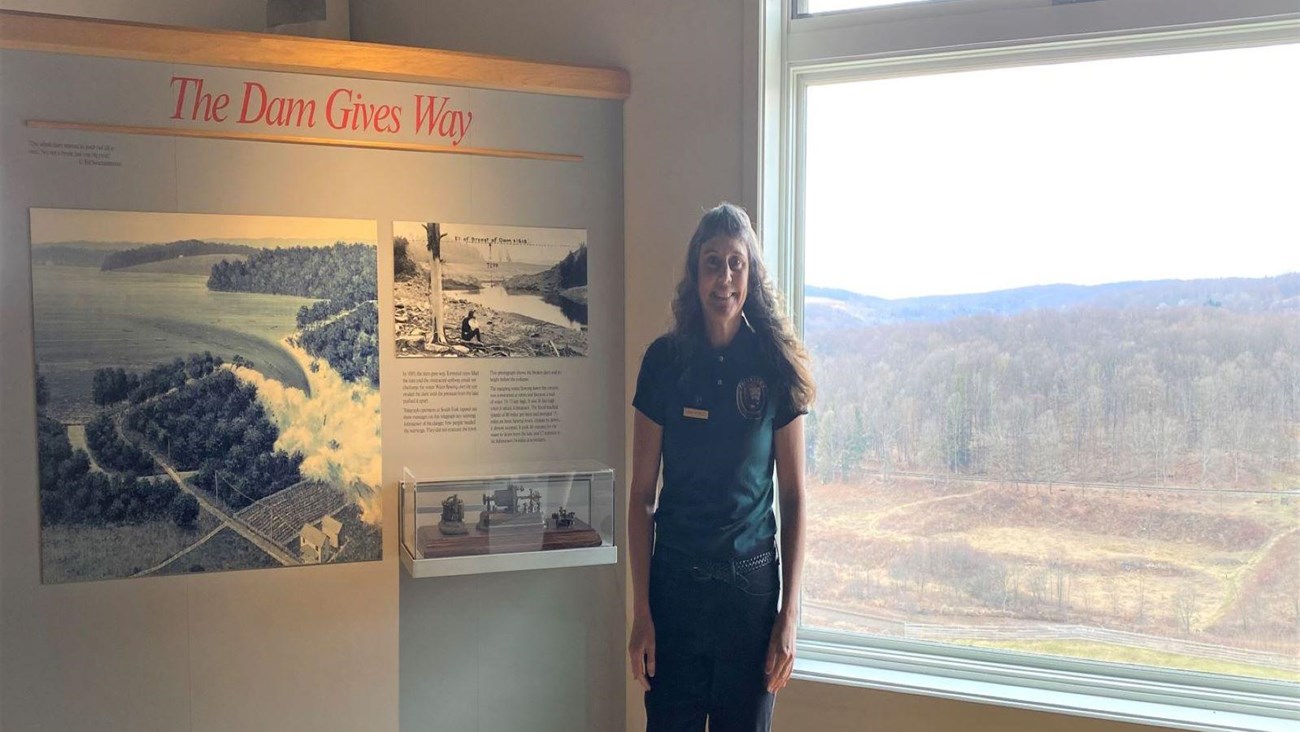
{"points": [[795, 52]]}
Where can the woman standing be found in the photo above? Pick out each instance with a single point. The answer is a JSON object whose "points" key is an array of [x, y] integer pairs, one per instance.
{"points": [[719, 401]]}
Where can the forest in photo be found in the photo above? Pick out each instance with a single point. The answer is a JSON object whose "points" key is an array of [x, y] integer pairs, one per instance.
{"points": [[1107, 472], [343, 327], [344, 272], [350, 342], [74, 491]]}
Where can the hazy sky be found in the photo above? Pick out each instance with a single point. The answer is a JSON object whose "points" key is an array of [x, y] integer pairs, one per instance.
{"points": [[1174, 166], [545, 245], [56, 225]]}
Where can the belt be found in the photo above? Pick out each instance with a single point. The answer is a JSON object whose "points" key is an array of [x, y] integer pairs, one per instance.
{"points": [[729, 571]]}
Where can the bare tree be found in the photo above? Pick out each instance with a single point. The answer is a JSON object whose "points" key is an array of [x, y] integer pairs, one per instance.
{"points": [[1010, 577], [433, 235], [1060, 570], [1036, 584], [1185, 606], [1140, 608]]}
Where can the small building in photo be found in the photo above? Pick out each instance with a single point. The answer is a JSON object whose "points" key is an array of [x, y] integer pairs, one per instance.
{"points": [[313, 544]]}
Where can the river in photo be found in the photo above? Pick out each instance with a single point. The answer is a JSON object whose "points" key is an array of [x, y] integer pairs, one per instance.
{"points": [[494, 296], [87, 319]]}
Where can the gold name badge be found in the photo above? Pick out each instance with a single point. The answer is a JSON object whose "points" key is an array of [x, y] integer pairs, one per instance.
{"points": [[695, 413]]}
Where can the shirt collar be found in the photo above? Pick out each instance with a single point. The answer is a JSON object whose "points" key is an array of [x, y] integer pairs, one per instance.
{"points": [[742, 343]]}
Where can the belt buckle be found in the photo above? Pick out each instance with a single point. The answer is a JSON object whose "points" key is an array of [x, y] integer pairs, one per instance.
{"points": [[711, 570]]}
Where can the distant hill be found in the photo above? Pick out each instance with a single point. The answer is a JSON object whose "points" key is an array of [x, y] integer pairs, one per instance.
{"points": [[172, 250], [198, 264], [68, 255], [98, 246], [104, 247], [273, 242], [829, 308], [567, 273], [457, 252]]}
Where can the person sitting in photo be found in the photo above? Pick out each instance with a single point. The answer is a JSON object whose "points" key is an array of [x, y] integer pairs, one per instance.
{"points": [[469, 329]]}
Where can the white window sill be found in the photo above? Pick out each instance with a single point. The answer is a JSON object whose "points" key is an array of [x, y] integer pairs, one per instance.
{"points": [[891, 674]]}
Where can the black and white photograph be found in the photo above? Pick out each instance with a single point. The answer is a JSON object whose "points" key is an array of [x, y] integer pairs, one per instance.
{"points": [[467, 290], [207, 392]]}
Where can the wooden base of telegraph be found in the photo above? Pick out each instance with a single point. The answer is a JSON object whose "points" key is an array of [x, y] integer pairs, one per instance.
{"points": [[434, 544]]}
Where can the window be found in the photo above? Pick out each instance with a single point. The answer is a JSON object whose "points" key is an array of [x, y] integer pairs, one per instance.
{"points": [[814, 7], [1052, 293]]}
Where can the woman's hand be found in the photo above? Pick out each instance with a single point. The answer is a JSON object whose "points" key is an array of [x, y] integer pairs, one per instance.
{"points": [[780, 653], [641, 649]]}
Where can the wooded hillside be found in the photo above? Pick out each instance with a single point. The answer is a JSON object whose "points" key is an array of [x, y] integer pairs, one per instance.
{"points": [[345, 272], [1201, 395]]}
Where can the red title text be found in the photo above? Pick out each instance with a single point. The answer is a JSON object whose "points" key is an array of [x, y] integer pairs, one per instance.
{"points": [[343, 109]]}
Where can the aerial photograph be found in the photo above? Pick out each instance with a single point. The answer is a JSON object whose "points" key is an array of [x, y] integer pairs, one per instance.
{"points": [[207, 392]]}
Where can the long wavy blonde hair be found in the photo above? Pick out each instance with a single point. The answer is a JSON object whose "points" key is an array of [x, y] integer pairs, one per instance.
{"points": [[764, 309]]}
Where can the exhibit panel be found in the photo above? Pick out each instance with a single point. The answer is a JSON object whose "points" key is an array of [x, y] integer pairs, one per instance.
{"points": [[202, 352]]}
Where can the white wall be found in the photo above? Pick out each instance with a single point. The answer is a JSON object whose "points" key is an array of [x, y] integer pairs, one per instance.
{"points": [[683, 151]]}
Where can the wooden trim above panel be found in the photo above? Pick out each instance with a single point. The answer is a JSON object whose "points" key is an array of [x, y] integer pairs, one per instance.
{"points": [[264, 52]]}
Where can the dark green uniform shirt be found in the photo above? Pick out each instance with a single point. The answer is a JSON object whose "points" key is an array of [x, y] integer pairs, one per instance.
{"points": [[719, 410]]}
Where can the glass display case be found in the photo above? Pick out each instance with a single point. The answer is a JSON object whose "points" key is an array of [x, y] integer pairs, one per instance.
{"points": [[532, 516]]}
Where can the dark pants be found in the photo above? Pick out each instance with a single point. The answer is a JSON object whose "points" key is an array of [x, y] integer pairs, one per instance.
{"points": [[712, 630]]}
